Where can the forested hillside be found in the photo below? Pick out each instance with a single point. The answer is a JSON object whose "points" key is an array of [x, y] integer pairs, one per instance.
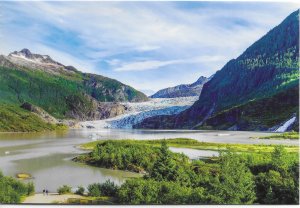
{"points": [[62, 91], [268, 67]]}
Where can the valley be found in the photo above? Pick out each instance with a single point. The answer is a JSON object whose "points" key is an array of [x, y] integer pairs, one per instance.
{"points": [[231, 136]]}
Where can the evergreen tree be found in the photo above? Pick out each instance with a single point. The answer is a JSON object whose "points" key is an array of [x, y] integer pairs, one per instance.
{"points": [[165, 167], [235, 184]]}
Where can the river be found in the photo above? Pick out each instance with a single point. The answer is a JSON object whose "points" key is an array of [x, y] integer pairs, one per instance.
{"points": [[47, 156]]}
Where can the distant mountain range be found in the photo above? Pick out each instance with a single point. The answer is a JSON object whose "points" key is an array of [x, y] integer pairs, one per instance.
{"points": [[257, 91], [62, 91], [183, 90]]}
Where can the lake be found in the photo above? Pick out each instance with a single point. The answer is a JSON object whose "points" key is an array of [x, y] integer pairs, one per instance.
{"points": [[47, 156]]}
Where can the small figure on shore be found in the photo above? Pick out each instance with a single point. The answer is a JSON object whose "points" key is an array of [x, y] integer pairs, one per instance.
{"points": [[47, 192], [44, 192]]}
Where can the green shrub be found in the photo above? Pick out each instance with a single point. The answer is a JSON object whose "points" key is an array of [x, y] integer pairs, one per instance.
{"points": [[127, 155], [12, 190], [30, 188], [94, 189], [109, 188], [65, 189], [80, 190], [141, 191]]}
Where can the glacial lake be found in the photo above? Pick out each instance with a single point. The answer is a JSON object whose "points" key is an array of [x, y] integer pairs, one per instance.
{"points": [[47, 156]]}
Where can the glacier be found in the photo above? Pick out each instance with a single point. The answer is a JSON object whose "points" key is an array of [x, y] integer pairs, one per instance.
{"points": [[137, 112]]}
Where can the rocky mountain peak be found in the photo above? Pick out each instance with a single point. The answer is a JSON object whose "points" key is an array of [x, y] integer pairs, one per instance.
{"points": [[26, 54], [200, 81], [183, 90]]}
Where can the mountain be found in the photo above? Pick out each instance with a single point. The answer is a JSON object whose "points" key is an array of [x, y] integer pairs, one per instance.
{"points": [[183, 90], [244, 93], [25, 56], [62, 91]]}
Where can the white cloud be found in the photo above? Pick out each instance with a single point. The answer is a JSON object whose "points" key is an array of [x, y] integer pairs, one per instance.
{"points": [[111, 28], [66, 59], [140, 36], [145, 65], [154, 64], [114, 62], [147, 48]]}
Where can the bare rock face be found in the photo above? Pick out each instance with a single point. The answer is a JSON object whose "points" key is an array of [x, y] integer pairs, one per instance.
{"points": [[25, 58], [98, 111], [5, 62], [26, 54], [40, 112], [109, 110], [90, 109]]}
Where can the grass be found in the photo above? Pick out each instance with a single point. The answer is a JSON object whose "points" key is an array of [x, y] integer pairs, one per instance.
{"points": [[16, 119], [101, 200], [194, 144], [286, 135]]}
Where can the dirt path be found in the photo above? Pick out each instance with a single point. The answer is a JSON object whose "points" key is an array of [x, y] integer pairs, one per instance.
{"points": [[49, 199]]}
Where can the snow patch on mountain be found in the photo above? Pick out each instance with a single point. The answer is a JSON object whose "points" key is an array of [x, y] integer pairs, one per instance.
{"points": [[25, 58]]}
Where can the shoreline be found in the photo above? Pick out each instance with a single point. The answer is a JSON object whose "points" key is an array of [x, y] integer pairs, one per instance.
{"points": [[51, 198], [197, 145], [189, 144], [33, 132], [146, 130]]}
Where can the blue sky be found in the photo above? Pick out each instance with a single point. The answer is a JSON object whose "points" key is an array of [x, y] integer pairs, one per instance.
{"points": [[148, 45]]}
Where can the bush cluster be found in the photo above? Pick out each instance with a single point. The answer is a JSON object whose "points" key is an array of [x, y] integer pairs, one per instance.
{"points": [[270, 178], [12, 190], [65, 189], [171, 178], [108, 188]]}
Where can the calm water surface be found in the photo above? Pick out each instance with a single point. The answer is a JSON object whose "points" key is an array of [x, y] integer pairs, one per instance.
{"points": [[47, 156]]}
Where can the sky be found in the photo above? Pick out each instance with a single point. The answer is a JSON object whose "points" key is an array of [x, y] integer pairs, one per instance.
{"points": [[147, 45]]}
